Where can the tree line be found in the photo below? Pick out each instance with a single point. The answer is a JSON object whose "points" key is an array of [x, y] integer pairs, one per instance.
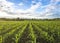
{"points": [[21, 19]]}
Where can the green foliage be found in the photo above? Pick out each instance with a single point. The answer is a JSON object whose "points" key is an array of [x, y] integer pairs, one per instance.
{"points": [[29, 31]]}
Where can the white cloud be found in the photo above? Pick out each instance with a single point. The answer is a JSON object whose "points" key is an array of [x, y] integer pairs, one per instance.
{"points": [[49, 9], [34, 7], [54, 1], [21, 4], [6, 6], [7, 9], [33, 2], [29, 11]]}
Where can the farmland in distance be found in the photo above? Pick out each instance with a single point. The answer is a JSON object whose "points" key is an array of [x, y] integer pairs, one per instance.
{"points": [[30, 31]]}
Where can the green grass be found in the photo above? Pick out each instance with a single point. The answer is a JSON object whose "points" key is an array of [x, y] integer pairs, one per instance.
{"points": [[29, 31]]}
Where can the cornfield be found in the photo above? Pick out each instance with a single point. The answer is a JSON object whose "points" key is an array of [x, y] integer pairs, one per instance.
{"points": [[29, 31]]}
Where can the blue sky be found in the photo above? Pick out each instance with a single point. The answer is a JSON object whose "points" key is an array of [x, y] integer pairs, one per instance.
{"points": [[27, 3], [30, 8]]}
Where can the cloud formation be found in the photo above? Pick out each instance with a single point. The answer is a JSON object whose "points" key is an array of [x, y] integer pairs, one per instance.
{"points": [[8, 10]]}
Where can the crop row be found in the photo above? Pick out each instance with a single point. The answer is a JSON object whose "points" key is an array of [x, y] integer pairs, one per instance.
{"points": [[30, 32]]}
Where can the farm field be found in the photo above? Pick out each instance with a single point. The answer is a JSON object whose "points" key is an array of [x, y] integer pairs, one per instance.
{"points": [[29, 31]]}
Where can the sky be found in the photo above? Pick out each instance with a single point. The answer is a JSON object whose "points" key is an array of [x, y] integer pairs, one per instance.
{"points": [[38, 9]]}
